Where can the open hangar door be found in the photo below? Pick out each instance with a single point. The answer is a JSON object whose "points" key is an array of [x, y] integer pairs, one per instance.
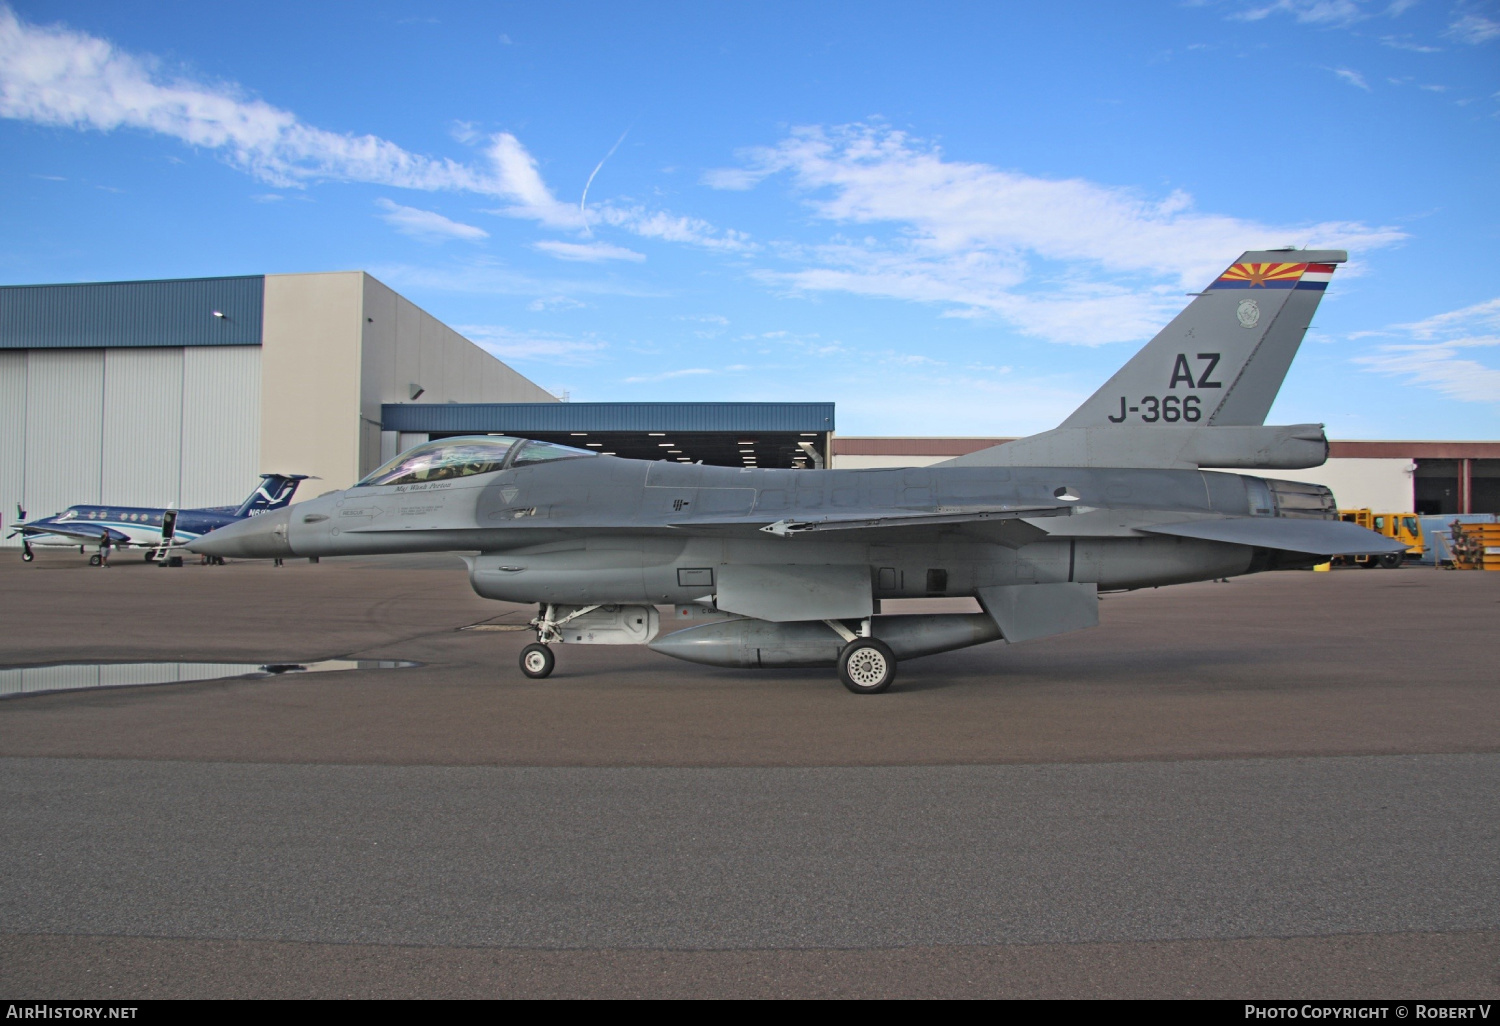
{"points": [[784, 435]]}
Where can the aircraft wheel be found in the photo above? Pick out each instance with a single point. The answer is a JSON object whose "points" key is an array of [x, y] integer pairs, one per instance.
{"points": [[537, 661], [867, 666], [148, 557], [96, 560], [27, 555], [1390, 560]]}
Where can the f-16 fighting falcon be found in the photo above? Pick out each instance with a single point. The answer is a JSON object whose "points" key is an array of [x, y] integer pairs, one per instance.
{"points": [[790, 566], [160, 531]]}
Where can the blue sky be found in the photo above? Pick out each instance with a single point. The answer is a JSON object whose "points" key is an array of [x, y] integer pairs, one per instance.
{"points": [[947, 218]]}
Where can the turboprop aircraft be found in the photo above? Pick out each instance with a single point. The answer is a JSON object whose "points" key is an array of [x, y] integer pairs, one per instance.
{"points": [[160, 531], [790, 566]]}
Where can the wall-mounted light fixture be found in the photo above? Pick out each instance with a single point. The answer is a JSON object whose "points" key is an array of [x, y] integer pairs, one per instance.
{"points": [[416, 391], [220, 315]]}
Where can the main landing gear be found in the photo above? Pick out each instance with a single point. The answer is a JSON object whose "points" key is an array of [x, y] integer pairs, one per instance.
{"points": [[867, 666]]}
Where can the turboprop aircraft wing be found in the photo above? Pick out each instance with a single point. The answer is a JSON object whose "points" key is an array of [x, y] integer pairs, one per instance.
{"points": [[81, 532]]}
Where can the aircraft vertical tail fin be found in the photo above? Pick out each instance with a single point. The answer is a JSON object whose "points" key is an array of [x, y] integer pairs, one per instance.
{"points": [[273, 492], [1222, 360]]}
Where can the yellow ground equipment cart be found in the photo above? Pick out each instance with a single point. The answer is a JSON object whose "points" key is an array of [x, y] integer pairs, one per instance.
{"points": [[1476, 546], [1403, 527]]}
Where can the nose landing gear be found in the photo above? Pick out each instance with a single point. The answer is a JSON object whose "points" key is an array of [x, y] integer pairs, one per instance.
{"points": [[537, 660]]}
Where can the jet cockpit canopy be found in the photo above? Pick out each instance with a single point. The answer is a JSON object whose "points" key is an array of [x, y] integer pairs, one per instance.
{"points": [[465, 456]]}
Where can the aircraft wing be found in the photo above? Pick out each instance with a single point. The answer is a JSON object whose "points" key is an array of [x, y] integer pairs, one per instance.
{"points": [[862, 520], [78, 532], [1315, 537]]}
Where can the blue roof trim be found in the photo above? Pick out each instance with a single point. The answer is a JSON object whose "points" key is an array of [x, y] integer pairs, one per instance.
{"points": [[106, 315], [522, 418]]}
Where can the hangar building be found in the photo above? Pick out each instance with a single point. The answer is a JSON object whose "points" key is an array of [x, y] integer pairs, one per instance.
{"points": [[155, 393], [182, 392]]}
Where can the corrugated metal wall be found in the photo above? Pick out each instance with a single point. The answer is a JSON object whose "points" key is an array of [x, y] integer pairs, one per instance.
{"points": [[12, 436], [64, 428], [147, 427], [142, 463], [133, 313], [220, 425]]}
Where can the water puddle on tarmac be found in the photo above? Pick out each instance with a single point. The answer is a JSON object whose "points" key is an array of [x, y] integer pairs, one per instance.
{"points": [[32, 680]]}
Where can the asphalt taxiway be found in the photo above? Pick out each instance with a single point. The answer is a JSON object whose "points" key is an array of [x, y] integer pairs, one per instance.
{"points": [[1288, 785]]}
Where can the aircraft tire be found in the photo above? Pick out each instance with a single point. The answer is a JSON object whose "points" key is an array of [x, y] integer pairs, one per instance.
{"points": [[27, 555], [1390, 560], [537, 661], [867, 666], [96, 560]]}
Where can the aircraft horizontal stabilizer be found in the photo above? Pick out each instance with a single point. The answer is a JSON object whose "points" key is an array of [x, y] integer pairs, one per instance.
{"points": [[1314, 537], [1241, 447]]}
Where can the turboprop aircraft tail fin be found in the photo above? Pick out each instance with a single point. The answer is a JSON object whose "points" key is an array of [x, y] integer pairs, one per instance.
{"points": [[273, 492], [1222, 360]]}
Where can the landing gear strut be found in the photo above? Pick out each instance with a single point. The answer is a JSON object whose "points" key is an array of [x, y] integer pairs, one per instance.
{"points": [[537, 660], [26, 554]]}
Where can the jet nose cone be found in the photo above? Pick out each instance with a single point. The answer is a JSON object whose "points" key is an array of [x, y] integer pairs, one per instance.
{"points": [[262, 537]]}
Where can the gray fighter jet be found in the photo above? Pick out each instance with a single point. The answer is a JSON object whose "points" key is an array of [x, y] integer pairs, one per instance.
{"points": [[789, 567]]}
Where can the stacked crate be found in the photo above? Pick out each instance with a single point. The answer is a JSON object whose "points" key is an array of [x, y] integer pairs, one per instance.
{"points": [[1476, 546]]}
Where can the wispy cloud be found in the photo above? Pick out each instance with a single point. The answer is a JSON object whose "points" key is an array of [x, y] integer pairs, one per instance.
{"points": [[543, 303], [53, 75], [1353, 77], [1311, 12], [1064, 259], [687, 372], [1473, 28], [486, 277], [533, 346], [671, 228], [1406, 43], [1439, 353], [587, 252], [426, 224]]}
